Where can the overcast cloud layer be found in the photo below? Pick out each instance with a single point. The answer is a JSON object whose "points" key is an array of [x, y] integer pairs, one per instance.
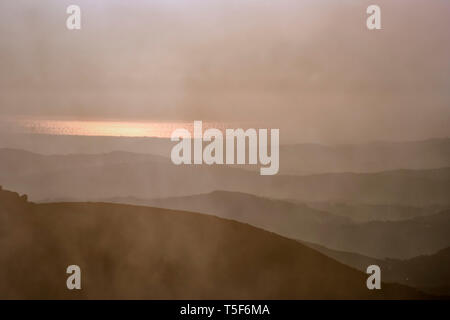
{"points": [[310, 68]]}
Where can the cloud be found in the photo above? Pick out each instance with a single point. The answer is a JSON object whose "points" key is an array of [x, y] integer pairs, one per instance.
{"points": [[309, 64]]}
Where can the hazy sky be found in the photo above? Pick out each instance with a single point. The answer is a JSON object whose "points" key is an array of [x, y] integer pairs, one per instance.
{"points": [[310, 67]]}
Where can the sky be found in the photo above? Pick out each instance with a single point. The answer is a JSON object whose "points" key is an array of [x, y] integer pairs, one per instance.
{"points": [[310, 68]]}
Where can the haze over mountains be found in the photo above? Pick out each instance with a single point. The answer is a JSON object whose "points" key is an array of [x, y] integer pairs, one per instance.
{"points": [[355, 218], [294, 158], [380, 212], [429, 273], [361, 181], [397, 239], [367, 157], [104, 176], [138, 252]]}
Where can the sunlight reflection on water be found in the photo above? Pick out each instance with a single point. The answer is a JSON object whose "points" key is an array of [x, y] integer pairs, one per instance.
{"points": [[105, 128]]}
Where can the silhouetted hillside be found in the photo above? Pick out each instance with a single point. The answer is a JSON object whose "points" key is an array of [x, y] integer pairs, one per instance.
{"points": [[430, 273], [294, 158], [23, 162], [98, 176], [375, 212], [137, 252], [395, 239]]}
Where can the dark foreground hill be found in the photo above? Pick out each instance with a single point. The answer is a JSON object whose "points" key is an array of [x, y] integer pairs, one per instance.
{"points": [[138, 252]]}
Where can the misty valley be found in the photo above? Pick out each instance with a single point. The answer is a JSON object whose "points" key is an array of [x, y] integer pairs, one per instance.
{"points": [[231, 157], [234, 227]]}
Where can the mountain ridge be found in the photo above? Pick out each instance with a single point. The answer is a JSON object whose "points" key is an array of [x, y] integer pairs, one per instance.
{"points": [[394, 239], [106, 176], [137, 252]]}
